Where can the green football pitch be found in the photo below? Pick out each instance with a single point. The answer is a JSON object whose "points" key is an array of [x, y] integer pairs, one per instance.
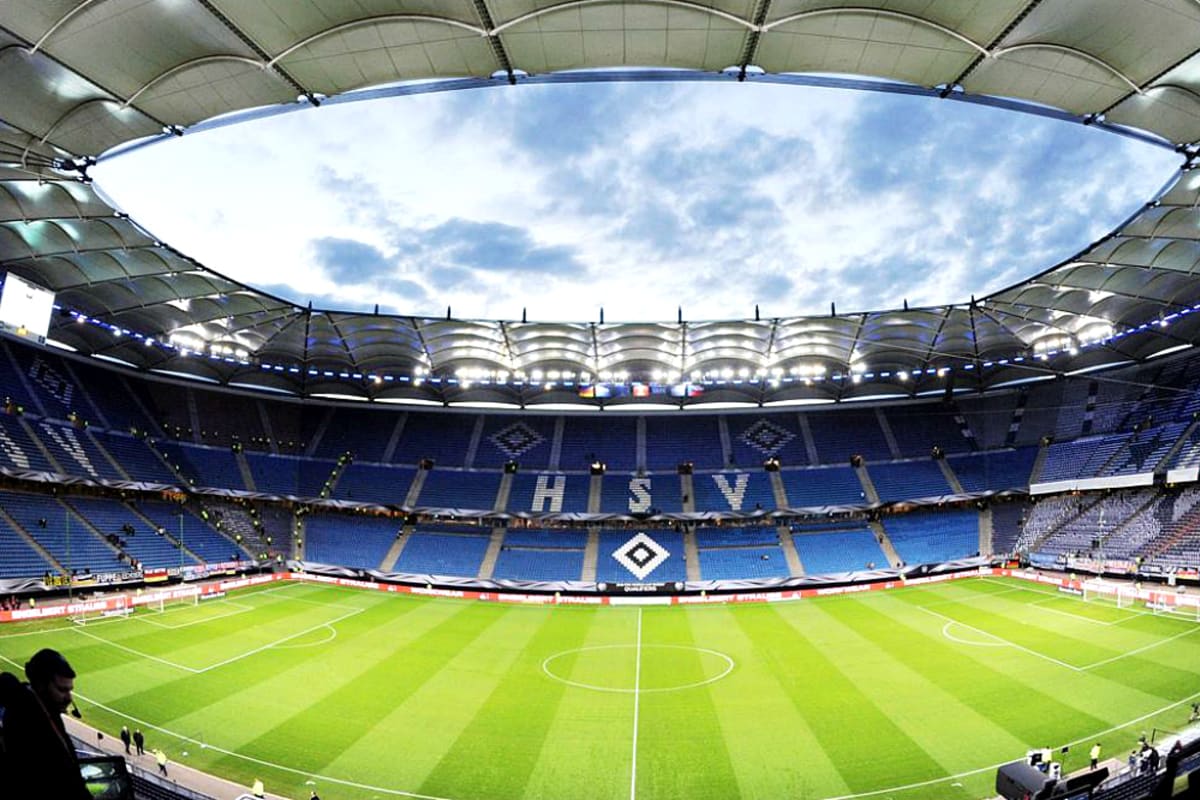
{"points": [[909, 693]]}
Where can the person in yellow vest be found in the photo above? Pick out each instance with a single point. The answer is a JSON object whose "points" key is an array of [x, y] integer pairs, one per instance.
{"points": [[1094, 754], [161, 759], [257, 789]]}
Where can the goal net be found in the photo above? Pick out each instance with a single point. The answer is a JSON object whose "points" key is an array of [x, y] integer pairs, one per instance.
{"points": [[1098, 590], [162, 602], [91, 613]]}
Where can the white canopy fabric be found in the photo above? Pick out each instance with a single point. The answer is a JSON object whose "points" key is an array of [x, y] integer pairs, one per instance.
{"points": [[82, 78]]}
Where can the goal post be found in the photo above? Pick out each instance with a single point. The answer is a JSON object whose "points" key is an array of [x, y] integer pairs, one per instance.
{"points": [[90, 613], [1096, 589], [161, 602]]}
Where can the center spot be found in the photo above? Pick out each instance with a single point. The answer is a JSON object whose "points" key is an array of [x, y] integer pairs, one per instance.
{"points": [[615, 667]]}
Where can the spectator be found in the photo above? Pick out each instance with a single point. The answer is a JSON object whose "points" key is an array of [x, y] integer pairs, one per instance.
{"points": [[38, 756]]}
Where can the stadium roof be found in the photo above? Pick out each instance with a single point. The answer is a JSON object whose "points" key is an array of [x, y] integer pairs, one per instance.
{"points": [[80, 79]]}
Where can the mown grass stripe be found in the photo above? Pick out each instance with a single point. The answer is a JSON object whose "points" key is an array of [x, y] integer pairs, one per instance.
{"points": [[400, 670], [789, 760], [512, 721], [588, 743], [681, 750], [834, 708]]}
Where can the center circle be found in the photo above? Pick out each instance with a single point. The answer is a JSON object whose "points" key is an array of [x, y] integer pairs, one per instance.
{"points": [[629, 668]]}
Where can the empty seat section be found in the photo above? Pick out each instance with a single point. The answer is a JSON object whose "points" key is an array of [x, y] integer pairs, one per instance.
{"points": [[1082, 458], [17, 450], [755, 439], [196, 535], [226, 418], [822, 486], [379, 483], [61, 533], [74, 451], [12, 388], [622, 493], [989, 419], [733, 491], [365, 434], [445, 488], [734, 563], [205, 466], [526, 440], [549, 492], [53, 385], [838, 551], [538, 565], [608, 568], [994, 471], [908, 480], [672, 441], [288, 475], [841, 434], [1146, 449], [917, 429], [1008, 517], [112, 394], [141, 540], [611, 441], [443, 437], [135, 457], [1072, 413], [18, 559], [1039, 416], [349, 541], [930, 537], [431, 553], [541, 555]]}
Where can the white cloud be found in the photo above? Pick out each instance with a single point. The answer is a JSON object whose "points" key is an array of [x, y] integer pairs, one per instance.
{"points": [[713, 198]]}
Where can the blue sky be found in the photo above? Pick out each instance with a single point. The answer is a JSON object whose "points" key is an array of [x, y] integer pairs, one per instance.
{"points": [[636, 198]]}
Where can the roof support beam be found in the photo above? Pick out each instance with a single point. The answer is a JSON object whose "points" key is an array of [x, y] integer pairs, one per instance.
{"points": [[493, 36]]}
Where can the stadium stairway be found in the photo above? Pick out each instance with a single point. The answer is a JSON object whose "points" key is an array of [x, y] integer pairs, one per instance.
{"points": [[92, 529], [1151, 499], [167, 534], [778, 490], [503, 493], [393, 554], [795, 565], [1187, 526], [951, 478], [691, 555], [885, 544], [888, 436], [244, 468], [1037, 544], [414, 488], [50, 560], [41, 446], [688, 493], [113, 462], [591, 555], [1180, 443], [867, 484], [810, 446], [986, 532], [1039, 462], [595, 488], [488, 566]]}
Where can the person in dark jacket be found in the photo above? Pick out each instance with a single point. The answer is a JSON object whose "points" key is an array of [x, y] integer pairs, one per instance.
{"points": [[38, 758], [126, 739]]}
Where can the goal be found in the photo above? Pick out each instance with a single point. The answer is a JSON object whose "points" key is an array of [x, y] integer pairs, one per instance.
{"points": [[94, 612], [1096, 589], [161, 602]]}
